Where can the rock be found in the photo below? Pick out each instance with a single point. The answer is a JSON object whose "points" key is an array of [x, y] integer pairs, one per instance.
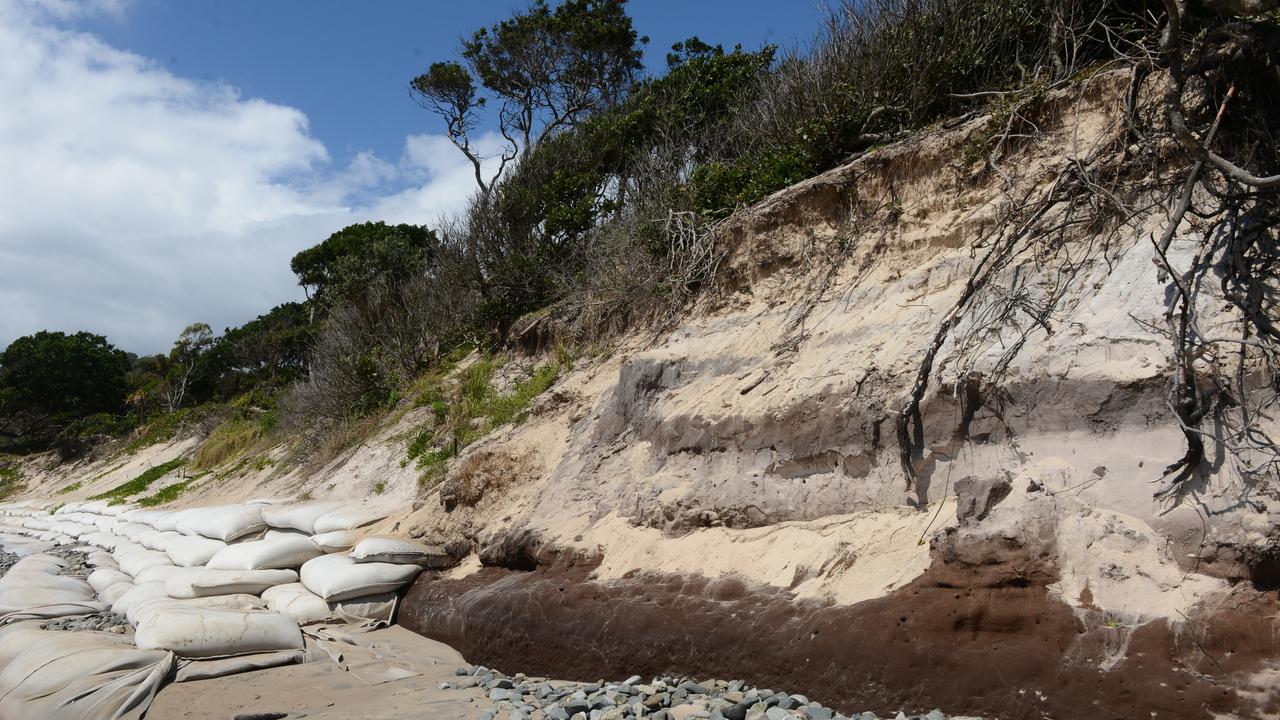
{"points": [[813, 711], [694, 688], [688, 711], [976, 496], [934, 714], [776, 713], [756, 711], [461, 671], [633, 680]]}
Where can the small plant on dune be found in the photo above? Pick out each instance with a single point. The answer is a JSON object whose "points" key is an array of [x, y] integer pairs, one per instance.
{"points": [[168, 493], [121, 493], [471, 410]]}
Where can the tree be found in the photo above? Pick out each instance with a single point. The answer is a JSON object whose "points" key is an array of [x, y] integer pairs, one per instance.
{"points": [[51, 380], [193, 343], [547, 69], [342, 267], [265, 352]]}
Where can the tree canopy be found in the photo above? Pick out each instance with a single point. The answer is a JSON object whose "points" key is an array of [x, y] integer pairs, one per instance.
{"points": [[547, 69], [51, 380], [341, 267]]}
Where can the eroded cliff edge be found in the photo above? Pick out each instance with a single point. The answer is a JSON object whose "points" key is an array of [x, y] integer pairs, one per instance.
{"points": [[728, 498]]}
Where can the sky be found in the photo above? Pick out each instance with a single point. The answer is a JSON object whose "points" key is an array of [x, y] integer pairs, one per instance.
{"points": [[161, 160]]}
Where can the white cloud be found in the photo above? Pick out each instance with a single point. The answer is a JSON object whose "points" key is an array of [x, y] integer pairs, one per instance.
{"points": [[134, 201]]}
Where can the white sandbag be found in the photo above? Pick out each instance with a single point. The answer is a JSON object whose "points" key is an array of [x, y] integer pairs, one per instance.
{"points": [[103, 578], [350, 517], [205, 632], [80, 676], [113, 593], [277, 552], [299, 603], [101, 559], [192, 551], [137, 594], [200, 582], [140, 611], [157, 573], [336, 541], [400, 550], [338, 577], [301, 516], [135, 561], [224, 522]]}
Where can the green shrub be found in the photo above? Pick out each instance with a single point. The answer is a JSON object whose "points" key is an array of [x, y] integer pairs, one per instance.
{"points": [[473, 410]]}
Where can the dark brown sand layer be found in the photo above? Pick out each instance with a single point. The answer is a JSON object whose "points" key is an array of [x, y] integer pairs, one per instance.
{"points": [[987, 641]]}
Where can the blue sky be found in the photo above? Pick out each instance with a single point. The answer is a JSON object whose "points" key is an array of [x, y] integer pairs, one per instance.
{"points": [[163, 160], [346, 64]]}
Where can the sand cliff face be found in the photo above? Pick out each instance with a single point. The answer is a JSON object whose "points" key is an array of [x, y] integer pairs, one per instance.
{"points": [[727, 497]]}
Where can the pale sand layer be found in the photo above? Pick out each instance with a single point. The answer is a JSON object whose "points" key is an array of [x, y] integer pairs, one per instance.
{"points": [[324, 690]]}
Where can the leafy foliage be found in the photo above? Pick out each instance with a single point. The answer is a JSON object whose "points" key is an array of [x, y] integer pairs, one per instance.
{"points": [[50, 381], [340, 268]]}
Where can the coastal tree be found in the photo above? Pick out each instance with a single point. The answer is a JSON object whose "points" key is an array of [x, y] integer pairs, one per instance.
{"points": [[51, 380], [546, 70]]}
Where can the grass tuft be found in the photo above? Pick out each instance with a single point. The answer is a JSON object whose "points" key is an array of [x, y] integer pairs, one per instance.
{"points": [[121, 493]]}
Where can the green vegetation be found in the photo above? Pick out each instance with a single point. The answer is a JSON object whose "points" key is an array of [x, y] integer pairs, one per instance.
{"points": [[10, 481], [122, 492], [379, 487], [168, 493], [51, 383], [466, 407], [228, 440], [70, 488]]}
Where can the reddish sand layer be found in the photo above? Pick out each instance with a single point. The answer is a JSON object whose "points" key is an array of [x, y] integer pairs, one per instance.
{"points": [[985, 641]]}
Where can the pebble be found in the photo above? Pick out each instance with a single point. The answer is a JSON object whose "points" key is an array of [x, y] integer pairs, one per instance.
{"points": [[519, 697]]}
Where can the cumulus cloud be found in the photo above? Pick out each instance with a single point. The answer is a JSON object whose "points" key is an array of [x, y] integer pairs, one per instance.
{"points": [[134, 201]]}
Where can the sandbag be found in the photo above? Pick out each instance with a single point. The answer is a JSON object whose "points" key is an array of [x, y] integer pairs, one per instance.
{"points": [[400, 550], [338, 577], [223, 522], [349, 518], [200, 582], [206, 632], [302, 516], [299, 603], [113, 593], [192, 551], [336, 541], [81, 676], [135, 561], [276, 552], [158, 573], [103, 578], [137, 594], [140, 611]]}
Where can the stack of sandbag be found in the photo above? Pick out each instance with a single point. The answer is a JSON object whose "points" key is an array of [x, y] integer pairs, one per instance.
{"points": [[244, 568], [33, 589]]}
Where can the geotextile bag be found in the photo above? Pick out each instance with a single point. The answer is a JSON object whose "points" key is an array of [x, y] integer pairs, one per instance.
{"points": [[338, 577], [208, 632], [276, 552]]}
